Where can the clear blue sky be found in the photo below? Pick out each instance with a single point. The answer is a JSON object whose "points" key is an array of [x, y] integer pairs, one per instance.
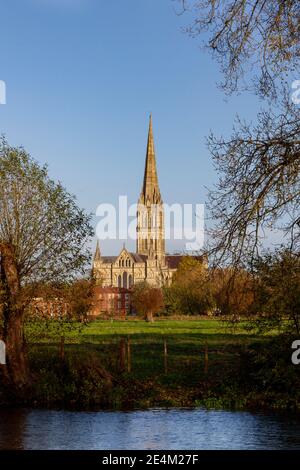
{"points": [[82, 77]]}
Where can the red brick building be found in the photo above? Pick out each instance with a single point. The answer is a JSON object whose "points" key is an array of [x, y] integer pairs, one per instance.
{"points": [[110, 302]]}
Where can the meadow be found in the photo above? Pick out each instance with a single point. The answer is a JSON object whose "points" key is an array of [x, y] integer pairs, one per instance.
{"points": [[186, 362], [190, 347]]}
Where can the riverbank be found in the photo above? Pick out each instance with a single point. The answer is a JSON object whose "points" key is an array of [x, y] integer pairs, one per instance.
{"points": [[170, 363]]}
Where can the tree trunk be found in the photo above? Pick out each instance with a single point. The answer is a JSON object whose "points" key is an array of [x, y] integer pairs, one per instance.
{"points": [[149, 317], [16, 370]]}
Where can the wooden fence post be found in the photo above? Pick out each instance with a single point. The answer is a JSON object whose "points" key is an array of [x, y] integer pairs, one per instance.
{"points": [[166, 356], [128, 355], [206, 359], [62, 348], [122, 355]]}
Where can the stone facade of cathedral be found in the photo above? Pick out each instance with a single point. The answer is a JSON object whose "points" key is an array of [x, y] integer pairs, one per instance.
{"points": [[150, 262]]}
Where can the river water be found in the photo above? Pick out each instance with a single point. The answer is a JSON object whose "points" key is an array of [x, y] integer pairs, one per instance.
{"points": [[151, 429]]}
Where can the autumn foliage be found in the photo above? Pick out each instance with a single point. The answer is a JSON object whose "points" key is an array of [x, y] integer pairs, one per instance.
{"points": [[147, 300]]}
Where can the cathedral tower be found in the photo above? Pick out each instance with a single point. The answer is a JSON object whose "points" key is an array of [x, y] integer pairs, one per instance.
{"points": [[150, 213]]}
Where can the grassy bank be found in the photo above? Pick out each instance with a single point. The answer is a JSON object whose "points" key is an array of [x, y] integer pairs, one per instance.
{"points": [[171, 363]]}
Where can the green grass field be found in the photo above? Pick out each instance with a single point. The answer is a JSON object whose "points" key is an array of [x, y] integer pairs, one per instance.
{"points": [[213, 331], [186, 342], [200, 353]]}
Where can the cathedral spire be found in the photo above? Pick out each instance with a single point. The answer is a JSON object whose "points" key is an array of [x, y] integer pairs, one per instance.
{"points": [[150, 213], [97, 256], [150, 189]]}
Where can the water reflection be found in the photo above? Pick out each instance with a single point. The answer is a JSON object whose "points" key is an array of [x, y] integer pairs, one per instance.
{"points": [[151, 429], [12, 428]]}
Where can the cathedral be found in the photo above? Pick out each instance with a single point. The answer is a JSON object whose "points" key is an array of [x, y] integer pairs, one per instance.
{"points": [[150, 262]]}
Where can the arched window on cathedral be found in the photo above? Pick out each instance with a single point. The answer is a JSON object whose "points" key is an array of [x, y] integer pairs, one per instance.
{"points": [[122, 263], [128, 262], [125, 280], [130, 280], [160, 219], [120, 281]]}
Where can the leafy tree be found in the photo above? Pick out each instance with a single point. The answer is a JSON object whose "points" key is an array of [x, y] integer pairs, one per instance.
{"points": [[191, 290], [277, 292], [147, 300], [79, 298], [233, 291], [43, 237], [58, 310]]}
